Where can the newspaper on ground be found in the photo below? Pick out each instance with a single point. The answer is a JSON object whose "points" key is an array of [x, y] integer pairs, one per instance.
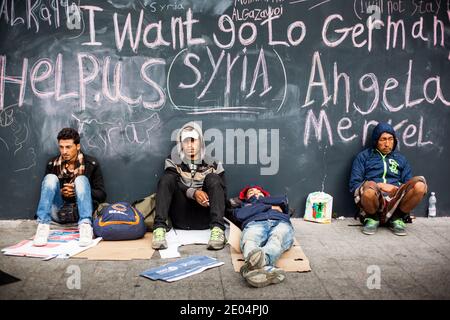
{"points": [[181, 268], [62, 243]]}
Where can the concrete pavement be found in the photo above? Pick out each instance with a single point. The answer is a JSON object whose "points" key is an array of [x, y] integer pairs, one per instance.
{"points": [[343, 262]]}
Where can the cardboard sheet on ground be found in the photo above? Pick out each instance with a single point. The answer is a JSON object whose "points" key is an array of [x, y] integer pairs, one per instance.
{"points": [[62, 243], [293, 260], [120, 250]]}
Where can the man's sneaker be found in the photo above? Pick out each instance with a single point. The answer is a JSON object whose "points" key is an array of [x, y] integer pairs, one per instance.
{"points": [[370, 226], [217, 239], [256, 259], [265, 276], [41, 236], [86, 235], [159, 239], [398, 227]]}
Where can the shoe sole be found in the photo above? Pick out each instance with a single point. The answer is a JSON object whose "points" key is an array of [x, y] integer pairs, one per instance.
{"points": [[160, 247], [400, 234], [256, 259], [271, 278], [216, 246], [39, 244], [369, 233]]}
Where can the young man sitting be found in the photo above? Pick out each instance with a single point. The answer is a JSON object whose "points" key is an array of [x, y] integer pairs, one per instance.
{"points": [[70, 177]]}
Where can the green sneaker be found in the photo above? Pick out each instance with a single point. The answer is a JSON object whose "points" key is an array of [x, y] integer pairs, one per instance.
{"points": [[398, 227], [159, 239], [217, 239], [370, 226]]}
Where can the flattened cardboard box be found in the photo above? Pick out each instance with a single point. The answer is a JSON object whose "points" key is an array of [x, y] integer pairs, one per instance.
{"points": [[293, 260], [120, 250]]}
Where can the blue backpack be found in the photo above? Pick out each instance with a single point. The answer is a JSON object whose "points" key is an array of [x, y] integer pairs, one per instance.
{"points": [[119, 221]]}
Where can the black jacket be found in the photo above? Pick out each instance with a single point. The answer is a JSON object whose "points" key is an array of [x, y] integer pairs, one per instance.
{"points": [[92, 172]]}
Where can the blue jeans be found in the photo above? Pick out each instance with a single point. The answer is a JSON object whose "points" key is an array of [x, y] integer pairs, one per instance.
{"points": [[51, 200], [273, 236]]}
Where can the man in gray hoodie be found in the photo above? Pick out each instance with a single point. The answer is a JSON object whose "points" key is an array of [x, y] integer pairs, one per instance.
{"points": [[191, 192]]}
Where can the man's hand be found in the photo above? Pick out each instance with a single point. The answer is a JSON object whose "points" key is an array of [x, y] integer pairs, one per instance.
{"points": [[68, 190], [388, 188], [277, 208], [202, 198]]}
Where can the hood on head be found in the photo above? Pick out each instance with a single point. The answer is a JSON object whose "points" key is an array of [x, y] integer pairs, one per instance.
{"points": [[198, 130], [381, 128]]}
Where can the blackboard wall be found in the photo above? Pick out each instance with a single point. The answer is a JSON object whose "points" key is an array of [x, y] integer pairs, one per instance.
{"points": [[287, 92]]}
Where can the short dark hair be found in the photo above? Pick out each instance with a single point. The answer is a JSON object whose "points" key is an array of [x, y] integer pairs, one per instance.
{"points": [[68, 134]]}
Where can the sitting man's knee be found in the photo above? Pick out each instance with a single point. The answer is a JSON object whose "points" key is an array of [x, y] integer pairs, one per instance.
{"points": [[81, 179], [50, 181], [370, 185], [370, 190], [420, 188], [167, 179], [81, 184], [369, 195], [212, 179]]}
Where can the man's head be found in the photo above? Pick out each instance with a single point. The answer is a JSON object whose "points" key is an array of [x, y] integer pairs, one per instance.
{"points": [[383, 138], [385, 143], [190, 143], [252, 191], [69, 144]]}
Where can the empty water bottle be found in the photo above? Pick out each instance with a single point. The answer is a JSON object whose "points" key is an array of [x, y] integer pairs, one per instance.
{"points": [[432, 206]]}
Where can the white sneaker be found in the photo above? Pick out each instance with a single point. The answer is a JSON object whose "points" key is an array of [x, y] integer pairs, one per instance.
{"points": [[41, 236], [86, 234]]}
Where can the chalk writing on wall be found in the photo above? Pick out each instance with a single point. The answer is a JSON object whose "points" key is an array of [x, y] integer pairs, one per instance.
{"points": [[319, 73]]}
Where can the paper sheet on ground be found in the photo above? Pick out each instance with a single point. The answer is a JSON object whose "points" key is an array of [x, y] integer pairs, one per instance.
{"points": [[62, 243], [120, 250], [177, 237], [172, 246], [293, 260], [181, 268]]}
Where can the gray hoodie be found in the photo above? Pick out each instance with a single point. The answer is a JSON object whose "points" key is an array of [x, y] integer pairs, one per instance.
{"points": [[192, 173]]}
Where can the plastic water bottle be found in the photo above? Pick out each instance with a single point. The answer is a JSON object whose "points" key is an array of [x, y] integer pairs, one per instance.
{"points": [[432, 206]]}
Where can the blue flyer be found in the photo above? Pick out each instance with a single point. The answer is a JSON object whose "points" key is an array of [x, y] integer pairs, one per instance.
{"points": [[181, 268]]}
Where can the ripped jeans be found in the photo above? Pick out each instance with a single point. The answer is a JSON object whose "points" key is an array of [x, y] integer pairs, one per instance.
{"points": [[51, 200], [273, 236]]}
